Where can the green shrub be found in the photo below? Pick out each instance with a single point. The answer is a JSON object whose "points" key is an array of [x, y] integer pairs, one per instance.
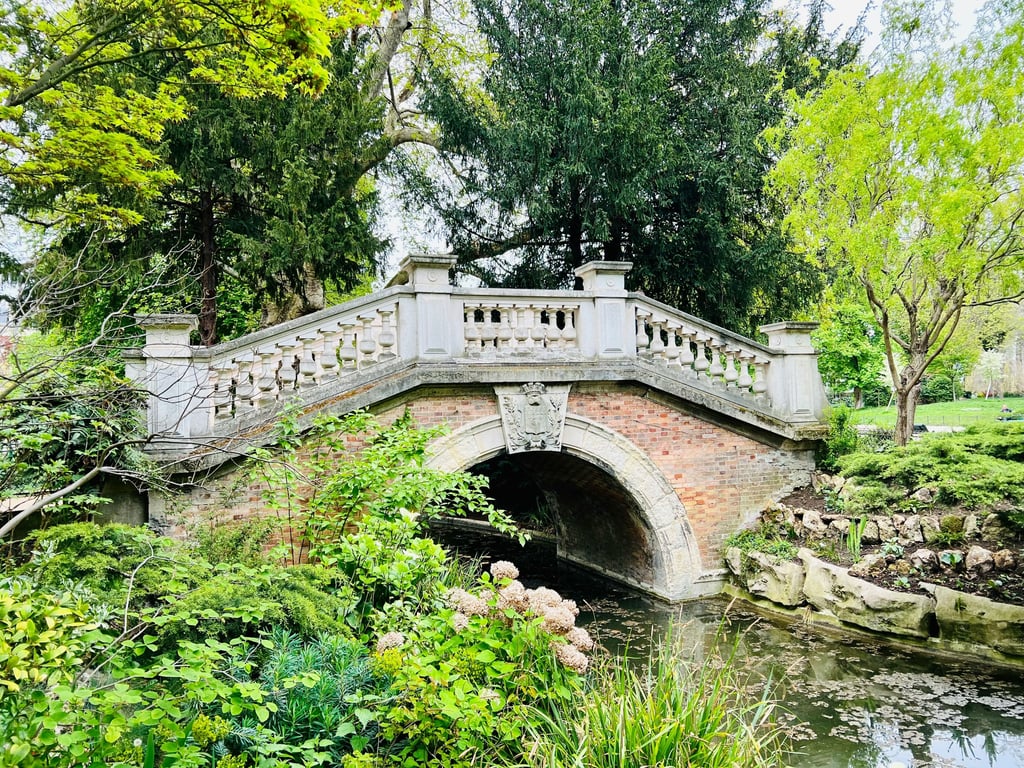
{"points": [[764, 539], [938, 389], [841, 439]]}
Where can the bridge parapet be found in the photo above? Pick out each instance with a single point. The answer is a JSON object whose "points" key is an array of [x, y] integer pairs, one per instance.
{"points": [[421, 322]]}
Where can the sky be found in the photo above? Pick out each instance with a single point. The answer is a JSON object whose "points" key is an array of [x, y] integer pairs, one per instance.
{"points": [[845, 14]]}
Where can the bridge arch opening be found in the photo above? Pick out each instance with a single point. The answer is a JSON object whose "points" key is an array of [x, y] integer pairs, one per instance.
{"points": [[643, 537], [596, 521]]}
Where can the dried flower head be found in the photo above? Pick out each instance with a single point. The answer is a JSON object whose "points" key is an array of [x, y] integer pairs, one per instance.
{"points": [[541, 598], [558, 620], [580, 639], [571, 606], [503, 569], [467, 603], [513, 595], [460, 621], [390, 640], [570, 657], [489, 694]]}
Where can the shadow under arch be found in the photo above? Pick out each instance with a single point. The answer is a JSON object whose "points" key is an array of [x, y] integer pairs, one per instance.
{"points": [[671, 552]]}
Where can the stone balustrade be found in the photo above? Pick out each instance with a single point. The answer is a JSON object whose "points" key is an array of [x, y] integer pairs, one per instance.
{"points": [[421, 321]]}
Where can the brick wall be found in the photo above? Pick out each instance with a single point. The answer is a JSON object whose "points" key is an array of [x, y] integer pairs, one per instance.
{"points": [[722, 478]]}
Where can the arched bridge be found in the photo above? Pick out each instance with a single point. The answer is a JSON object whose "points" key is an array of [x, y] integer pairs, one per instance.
{"points": [[652, 434]]}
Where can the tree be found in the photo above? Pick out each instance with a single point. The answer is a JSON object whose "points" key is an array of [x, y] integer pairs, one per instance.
{"points": [[990, 368], [850, 350], [627, 131], [907, 177], [68, 120]]}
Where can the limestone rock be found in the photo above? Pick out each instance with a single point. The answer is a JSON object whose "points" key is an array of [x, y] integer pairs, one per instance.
{"points": [[832, 589], [924, 559], [886, 529], [868, 564], [840, 526], [734, 561], [971, 530], [910, 531], [923, 495], [898, 520], [871, 535], [979, 560], [993, 529], [814, 526], [930, 528], [775, 579], [979, 621], [1004, 560]]}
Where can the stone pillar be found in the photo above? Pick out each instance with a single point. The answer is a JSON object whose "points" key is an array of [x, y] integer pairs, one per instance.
{"points": [[794, 384], [178, 406], [606, 332], [433, 334]]}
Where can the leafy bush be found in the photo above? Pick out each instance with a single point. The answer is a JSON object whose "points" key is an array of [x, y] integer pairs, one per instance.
{"points": [[841, 439], [938, 389], [763, 539]]}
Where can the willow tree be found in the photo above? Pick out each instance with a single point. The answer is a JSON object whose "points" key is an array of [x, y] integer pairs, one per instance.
{"points": [[908, 176]]}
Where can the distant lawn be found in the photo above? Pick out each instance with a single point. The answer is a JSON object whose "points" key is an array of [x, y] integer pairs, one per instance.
{"points": [[960, 413]]}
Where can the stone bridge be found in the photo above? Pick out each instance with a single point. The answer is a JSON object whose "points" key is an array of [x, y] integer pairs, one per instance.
{"points": [[652, 434]]}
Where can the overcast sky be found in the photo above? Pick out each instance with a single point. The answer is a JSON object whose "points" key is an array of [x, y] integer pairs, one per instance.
{"points": [[845, 14]]}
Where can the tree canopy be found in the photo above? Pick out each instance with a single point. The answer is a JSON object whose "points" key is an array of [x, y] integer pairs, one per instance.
{"points": [[906, 175], [628, 131]]}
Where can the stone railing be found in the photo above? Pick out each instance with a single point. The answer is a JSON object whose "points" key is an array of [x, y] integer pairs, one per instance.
{"points": [[421, 320]]}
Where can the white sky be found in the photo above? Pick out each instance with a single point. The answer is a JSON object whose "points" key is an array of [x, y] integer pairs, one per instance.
{"points": [[844, 14]]}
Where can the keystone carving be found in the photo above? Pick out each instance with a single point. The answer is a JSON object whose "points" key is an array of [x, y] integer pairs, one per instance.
{"points": [[532, 416]]}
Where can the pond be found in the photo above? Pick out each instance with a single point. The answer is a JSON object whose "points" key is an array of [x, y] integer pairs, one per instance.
{"points": [[848, 702]]}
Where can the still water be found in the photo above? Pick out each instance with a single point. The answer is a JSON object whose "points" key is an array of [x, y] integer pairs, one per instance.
{"points": [[849, 703]]}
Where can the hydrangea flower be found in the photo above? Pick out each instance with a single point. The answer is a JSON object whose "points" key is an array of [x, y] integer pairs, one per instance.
{"points": [[503, 569], [390, 640]]}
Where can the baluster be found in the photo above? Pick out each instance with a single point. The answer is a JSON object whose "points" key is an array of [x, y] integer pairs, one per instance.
{"points": [[222, 396], [554, 333], [245, 389], [538, 332], [471, 332], [505, 331], [686, 357], [731, 374], [489, 332], [387, 338], [657, 346], [701, 364], [569, 331], [672, 349], [717, 369], [367, 344], [287, 373], [642, 339], [760, 386], [348, 354], [307, 361], [522, 329], [267, 382], [745, 380], [329, 356]]}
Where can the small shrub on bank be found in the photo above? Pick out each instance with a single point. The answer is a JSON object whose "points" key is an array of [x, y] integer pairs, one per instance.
{"points": [[763, 539], [841, 439]]}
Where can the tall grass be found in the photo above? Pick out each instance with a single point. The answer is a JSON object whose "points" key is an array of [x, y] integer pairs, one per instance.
{"points": [[671, 711]]}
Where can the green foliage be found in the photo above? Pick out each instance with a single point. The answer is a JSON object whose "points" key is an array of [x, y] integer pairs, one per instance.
{"points": [[840, 440], [975, 468], [938, 389], [667, 712], [765, 539], [854, 534], [850, 351]]}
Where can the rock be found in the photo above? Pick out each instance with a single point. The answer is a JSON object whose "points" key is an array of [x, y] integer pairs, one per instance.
{"points": [[822, 481], [870, 535], [814, 526], [898, 520], [886, 529], [734, 561], [923, 495], [1004, 560], [931, 528], [840, 526], [952, 524], [979, 621], [971, 530], [978, 560], [902, 568], [993, 529], [868, 564], [924, 560], [910, 531], [832, 589], [775, 579]]}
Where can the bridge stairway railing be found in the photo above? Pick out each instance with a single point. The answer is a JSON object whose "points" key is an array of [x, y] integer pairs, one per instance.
{"points": [[199, 393]]}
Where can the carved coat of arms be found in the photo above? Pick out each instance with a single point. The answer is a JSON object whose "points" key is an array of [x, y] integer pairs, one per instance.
{"points": [[533, 416]]}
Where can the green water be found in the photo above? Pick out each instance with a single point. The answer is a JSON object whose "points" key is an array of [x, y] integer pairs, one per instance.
{"points": [[848, 703]]}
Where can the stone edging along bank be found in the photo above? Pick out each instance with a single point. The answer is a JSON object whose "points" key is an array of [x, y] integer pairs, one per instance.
{"points": [[943, 620]]}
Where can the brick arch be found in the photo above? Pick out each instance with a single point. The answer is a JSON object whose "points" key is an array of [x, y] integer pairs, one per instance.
{"points": [[675, 556]]}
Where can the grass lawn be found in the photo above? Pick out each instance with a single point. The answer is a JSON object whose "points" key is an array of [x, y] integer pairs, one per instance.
{"points": [[960, 413]]}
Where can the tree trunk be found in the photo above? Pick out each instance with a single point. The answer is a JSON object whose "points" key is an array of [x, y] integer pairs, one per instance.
{"points": [[906, 406], [858, 398], [207, 272]]}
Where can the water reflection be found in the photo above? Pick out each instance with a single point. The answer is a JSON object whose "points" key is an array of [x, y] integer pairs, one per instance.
{"points": [[849, 703]]}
